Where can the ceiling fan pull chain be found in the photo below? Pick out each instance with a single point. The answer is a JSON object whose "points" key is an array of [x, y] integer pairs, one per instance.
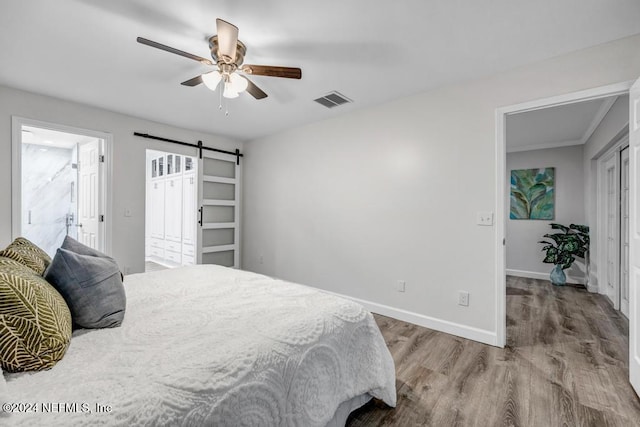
{"points": [[220, 93]]}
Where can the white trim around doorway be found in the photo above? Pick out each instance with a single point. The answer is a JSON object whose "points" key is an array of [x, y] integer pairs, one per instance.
{"points": [[501, 160], [16, 173]]}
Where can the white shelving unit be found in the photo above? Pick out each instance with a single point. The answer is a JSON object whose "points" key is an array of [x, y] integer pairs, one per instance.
{"points": [[171, 209]]}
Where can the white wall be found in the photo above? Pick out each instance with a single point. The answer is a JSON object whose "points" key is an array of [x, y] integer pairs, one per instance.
{"points": [[354, 203], [524, 255], [613, 124], [128, 161]]}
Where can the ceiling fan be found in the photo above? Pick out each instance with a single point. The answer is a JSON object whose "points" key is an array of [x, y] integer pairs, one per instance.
{"points": [[228, 55]]}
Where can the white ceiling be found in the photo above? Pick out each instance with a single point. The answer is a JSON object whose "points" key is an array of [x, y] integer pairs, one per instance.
{"points": [[559, 126], [51, 138], [372, 51]]}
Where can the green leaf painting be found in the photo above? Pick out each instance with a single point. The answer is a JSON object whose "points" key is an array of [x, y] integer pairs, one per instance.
{"points": [[532, 193]]}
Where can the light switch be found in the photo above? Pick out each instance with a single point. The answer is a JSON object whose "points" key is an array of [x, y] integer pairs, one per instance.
{"points": [[484, 218], [127, 212]]}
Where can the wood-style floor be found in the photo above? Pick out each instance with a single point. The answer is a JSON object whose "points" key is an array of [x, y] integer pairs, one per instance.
{"points": [[565, 365]]}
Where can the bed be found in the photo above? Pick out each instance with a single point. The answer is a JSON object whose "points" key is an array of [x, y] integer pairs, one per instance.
{"points": [[209, 345]]}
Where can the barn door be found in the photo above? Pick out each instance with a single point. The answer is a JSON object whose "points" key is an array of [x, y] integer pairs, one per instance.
{"points": [[219, 210], [634, 241]]}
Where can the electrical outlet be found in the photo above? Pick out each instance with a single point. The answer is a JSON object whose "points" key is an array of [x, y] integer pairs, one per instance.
{"points": [[126, 269], [261, 259], [127, 212], [484, 218], [400, 285], [463, 298]]}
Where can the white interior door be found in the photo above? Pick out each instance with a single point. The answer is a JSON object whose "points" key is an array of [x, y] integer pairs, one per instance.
{"points": [[634, 241], [218, 237], [88, 194], [611, 190], [624, 232]]}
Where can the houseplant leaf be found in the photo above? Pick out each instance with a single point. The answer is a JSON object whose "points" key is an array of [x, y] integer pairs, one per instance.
{"points": [[551, 256], [559, 227]]}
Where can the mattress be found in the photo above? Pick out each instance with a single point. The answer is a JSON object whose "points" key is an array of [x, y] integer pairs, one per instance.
{"points": [[209, 345]]}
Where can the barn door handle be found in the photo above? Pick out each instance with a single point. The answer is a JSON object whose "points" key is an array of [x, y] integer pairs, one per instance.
{"points": [[200, 221]]}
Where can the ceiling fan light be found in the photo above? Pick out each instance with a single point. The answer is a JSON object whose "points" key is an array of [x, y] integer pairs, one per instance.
{"points": [[211, 79], [229, 91], [238, 83]]}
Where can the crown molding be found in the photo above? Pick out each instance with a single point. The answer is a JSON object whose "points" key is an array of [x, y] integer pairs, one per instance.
{"points": [[544, 146], [599, 116]]}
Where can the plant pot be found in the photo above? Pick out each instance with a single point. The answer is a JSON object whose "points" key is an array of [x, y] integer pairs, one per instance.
{"points": [[557, 276]]}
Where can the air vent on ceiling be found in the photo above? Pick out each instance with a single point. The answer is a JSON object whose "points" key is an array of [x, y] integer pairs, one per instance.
{"points": [[333, 99]]}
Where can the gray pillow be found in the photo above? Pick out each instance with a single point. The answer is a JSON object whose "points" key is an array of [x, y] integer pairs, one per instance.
{"points": [[91, 285], [73, 245]]}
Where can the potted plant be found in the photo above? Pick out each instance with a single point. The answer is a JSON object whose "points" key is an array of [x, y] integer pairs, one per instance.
{"points": [[564, 247]]}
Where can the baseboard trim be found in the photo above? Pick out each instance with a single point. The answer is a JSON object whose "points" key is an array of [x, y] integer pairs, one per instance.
{"points": [[464, 331], [594, 289], [541, 276]]}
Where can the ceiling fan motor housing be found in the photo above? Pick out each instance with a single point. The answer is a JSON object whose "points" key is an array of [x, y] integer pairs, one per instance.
{"points": [[241, 51]]}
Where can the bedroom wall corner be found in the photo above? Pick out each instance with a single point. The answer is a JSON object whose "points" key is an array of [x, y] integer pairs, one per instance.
{"points": [[355, 203]]}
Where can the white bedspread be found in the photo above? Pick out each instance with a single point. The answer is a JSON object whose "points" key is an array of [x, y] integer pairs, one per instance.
{"points": [[208, 345]]}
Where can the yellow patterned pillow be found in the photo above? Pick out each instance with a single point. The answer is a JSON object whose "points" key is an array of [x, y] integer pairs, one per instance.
{"points": [[27, 253], [7, 264], [35, 322]]}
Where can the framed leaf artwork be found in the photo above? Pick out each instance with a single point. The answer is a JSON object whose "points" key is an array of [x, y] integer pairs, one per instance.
{"points": [[532, 194]]}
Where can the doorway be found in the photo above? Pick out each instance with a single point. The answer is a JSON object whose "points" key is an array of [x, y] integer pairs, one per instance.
{"points": [[632, 126], [59, 185], [170, 213], [613, 224], [192, 209], [501, 190]]}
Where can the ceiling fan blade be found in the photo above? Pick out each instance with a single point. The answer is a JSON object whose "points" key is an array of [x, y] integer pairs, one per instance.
{"points": [[254, 90], [227, 40], [173, 50], [272, 71], [192, 82]]}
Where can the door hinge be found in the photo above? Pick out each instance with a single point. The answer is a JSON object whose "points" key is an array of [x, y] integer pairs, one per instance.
{"points": [[101, 218], [101, 158]]}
